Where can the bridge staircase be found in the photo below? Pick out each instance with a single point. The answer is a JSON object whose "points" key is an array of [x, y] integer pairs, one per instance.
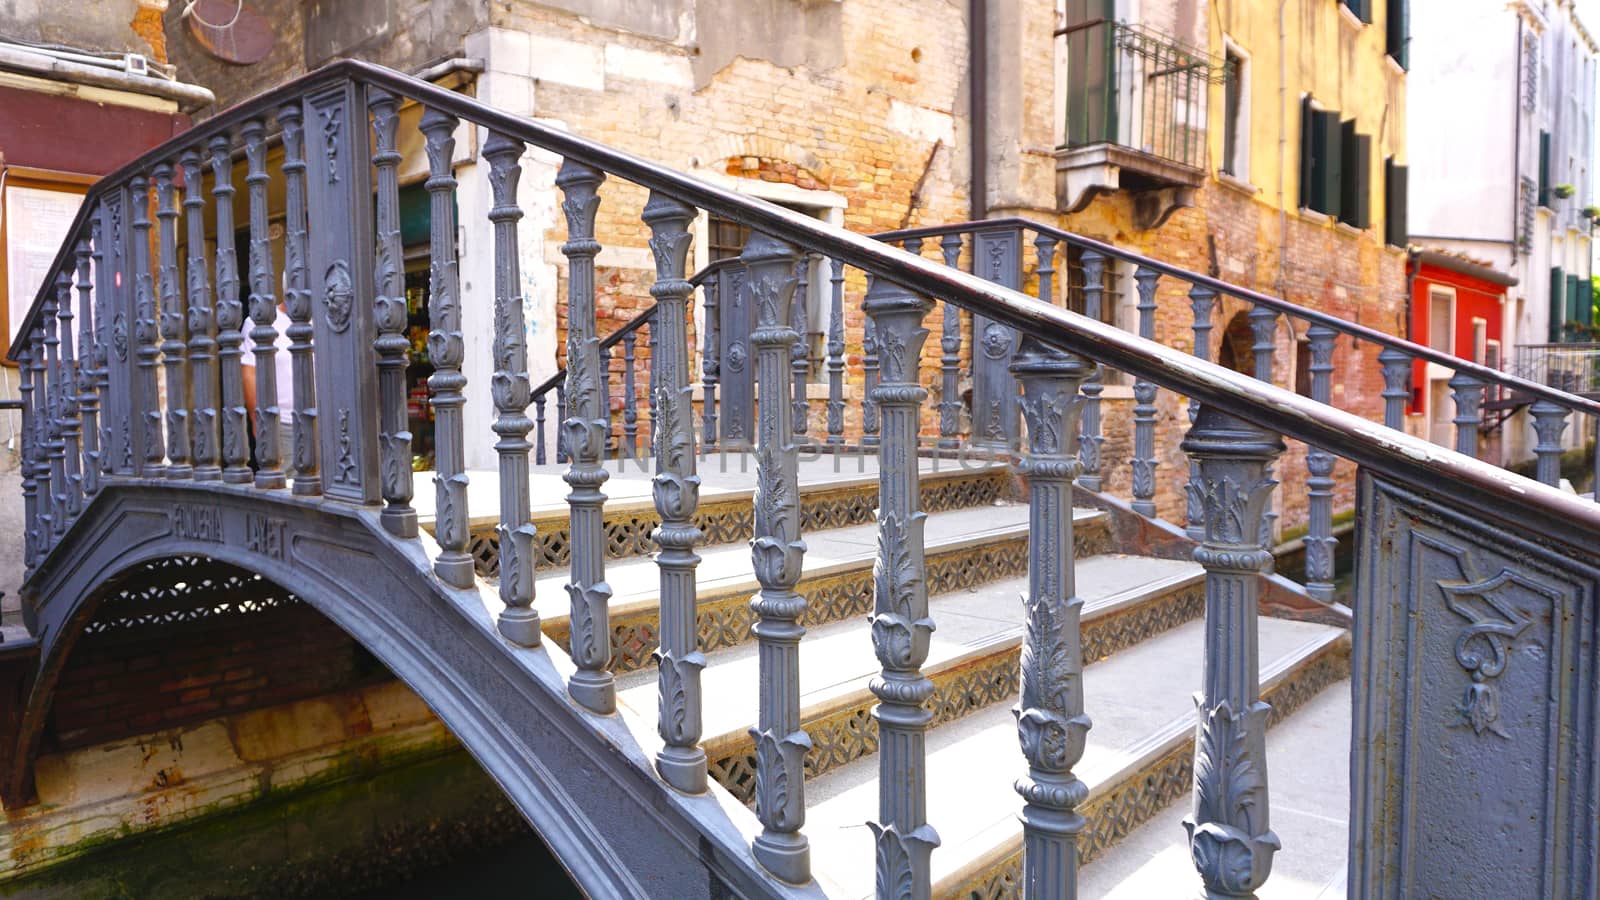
{"points": [[884, 647]]}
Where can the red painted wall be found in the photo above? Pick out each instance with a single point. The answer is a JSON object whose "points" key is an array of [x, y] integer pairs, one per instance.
{"points": [[52, 132], [1475, 298]]}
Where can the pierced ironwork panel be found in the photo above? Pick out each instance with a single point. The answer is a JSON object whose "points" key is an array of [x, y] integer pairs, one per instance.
{"points": [[997, 256], [1474, 713]]}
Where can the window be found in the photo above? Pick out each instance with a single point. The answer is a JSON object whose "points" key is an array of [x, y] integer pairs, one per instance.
{"points": [[1110, 282], [1362, 9], [1491, 354], [1355, 153], [1302, 368], [1397, 28], [36, 210], [1480, 340], [1236, 117], [1320, 162], [1544, 168], [1558, 303], [1395, 231], [725, 238], [1441, 320]]}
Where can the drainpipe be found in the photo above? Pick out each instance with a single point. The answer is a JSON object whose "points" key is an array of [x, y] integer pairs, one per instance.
{"points": [[1283, 152], [978, 66], [1412, 265], [1516, 143], [17, 58]]}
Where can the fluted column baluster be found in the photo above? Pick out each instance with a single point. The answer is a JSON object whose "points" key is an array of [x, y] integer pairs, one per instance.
{"points": [[55, 395], [676, 490], [950, 354], [869, 378], [446, 349], [1202, 300], [836, 352], [173, 331], [538, 430], [297, 303], [561, 432], [32, 547], [630, 397], [1229, 837], [263, 312], [1044, 248], [88, 397], [901, 625], [1319, 540], [43, 467], [518, 621], [204, 437], [71, 424], [777, 553], [1549, 420], [800, 352], [1051, 725], [1467, 392], [585, 427], [104, 313], [1089, 444], [1396, 386], [146, 394], [390, 315], [1264, 328], [1144, 399], [605, 402], [230, 319], [710, 364]]}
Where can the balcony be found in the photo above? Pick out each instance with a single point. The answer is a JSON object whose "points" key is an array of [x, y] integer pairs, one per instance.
{"points": [[1574, 368], [1135, 113]]}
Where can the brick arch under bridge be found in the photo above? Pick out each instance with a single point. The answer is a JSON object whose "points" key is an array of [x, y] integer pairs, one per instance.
{"points": [[568, 775]]}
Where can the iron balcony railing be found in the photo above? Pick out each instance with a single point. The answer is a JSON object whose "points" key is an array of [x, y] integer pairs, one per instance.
{"points": [[1573, 368], [1135, 87]]}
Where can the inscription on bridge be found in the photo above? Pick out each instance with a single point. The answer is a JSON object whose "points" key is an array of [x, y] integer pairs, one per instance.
{"points": [[265, 535], [197, 523]]}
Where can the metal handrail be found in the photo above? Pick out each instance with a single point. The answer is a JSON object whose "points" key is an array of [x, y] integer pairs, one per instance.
{"points": [[1433, 470], [1294, 310], [633, 324]]}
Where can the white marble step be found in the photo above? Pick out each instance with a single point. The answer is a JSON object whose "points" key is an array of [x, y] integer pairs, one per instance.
{"points": [[1308, 774], [635, 581], [837, 660], [1139, 699]]}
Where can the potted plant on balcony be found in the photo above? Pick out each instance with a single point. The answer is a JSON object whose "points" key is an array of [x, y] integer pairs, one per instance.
{"points": [[1591, 212], [1563, 191]]}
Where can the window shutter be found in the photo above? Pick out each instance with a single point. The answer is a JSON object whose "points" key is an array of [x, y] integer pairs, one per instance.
{"points": [[1397, 25], [1395, 231], [1544, 168], [1307, 154], [1558, 305], [1328, 161], [1574, 300], [1363, 175], [1356, 183]]}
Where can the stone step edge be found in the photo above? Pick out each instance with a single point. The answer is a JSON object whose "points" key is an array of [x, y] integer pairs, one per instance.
{"points": [[727, 515], [723, 617], [1159, 772], [841, 726]]}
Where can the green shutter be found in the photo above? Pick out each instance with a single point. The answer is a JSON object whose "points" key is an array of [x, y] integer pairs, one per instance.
{"points": [[1558, 306], [1307, 154], [1397, 27], [1395, 231], [1356, 183], [1326, 167], [1544, 168], [1362, 9], [1574, 301]]}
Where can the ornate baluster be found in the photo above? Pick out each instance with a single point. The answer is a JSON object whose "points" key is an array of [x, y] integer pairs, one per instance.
{"points": [[901, 626], [1319, 541], [538, 430], [519, 621], [1144, 399], [776, 554], [800, 353], [122, 438], [605, 402], [630, 398], [561, 433], [54, 394], [676, 488], [1202, 300], [1044, 248], [104, 333], [1229, 837], [1467, 392], [950, 358], [710, 364], [230, 319], [147, 394], [587, 421], [1051, 725], [836, 353], [173, 348], [1089, 444], [44, 468], [297, 303], [202, 327], [88, 398], [446, 349], [392, 345], [263, 311], [869, 378], [1549, 420], [1396, 386], [1264, 327], [71, 425], [31, 544]]}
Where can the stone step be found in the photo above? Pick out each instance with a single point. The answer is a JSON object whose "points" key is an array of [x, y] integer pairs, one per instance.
{"points": [[835, 491], [965, 548], [1139, 759], [1308, 774], [973, 661]]}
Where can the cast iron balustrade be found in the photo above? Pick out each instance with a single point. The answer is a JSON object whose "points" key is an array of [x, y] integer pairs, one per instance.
{"points": [[1480, 555]]}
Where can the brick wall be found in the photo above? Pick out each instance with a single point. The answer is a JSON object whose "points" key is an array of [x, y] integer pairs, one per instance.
{"points": [[119, 684]]}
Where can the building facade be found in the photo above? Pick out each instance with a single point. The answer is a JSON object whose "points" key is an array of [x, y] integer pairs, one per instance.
{"points": [[1458, 306], [1522, 199]]}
